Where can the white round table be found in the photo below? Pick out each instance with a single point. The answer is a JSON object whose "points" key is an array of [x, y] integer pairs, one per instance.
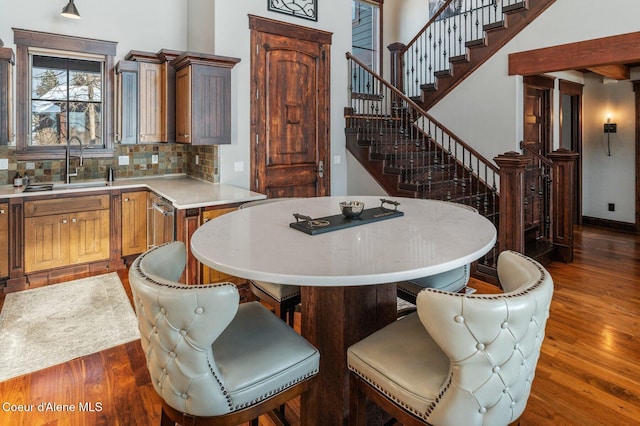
{"points": [[257, 243], [347, 276]]}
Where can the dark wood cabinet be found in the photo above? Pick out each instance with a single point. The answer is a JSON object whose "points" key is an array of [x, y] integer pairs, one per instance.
{"points": [[203, 98], [146, 97], [6, 73], [126, 102]]}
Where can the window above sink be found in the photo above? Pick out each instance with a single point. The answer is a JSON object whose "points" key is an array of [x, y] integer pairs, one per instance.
{"points": [[64, 91]]}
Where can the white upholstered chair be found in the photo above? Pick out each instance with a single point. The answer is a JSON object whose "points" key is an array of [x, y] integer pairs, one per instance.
{"points": [[454, 280], [283, 298], [211, 359], [461, 359]]}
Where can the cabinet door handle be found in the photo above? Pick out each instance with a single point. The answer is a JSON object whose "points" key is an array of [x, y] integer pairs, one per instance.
{"points": [[126, 200], [74, 220], [64, 220], [2, 211]]}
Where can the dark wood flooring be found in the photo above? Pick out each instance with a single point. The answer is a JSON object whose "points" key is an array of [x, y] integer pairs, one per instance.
{"points": [[588, 374]]}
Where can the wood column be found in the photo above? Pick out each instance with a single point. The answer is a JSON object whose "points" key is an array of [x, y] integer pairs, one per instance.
{"points": [[334, 318], [17, 280], [395, 67], [563, 192], [512, 191]]}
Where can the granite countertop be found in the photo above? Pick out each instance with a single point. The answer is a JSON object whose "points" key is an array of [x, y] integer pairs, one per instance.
{"points": [[184, 192]]}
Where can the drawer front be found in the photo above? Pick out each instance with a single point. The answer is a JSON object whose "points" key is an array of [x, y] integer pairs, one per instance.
{"points": [[66, 205]]}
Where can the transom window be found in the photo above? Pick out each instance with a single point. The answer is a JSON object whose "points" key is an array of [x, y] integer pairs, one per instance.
{"points": [[66, 101]]}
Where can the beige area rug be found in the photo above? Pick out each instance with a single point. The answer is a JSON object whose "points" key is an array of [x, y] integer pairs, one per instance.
{"points": [[57, 323]]}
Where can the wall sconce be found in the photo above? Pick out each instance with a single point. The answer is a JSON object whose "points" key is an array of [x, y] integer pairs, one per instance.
{"points": [[609, 128], [70, 11]]}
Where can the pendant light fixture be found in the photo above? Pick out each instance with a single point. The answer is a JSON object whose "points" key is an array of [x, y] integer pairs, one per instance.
{"points": [[70, 11]]}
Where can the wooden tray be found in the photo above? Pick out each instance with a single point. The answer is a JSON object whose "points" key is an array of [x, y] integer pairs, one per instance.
{"points": [[339, 221]]}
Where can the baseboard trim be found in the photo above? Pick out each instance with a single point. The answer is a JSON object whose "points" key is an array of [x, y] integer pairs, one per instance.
{"points": [[614, 225]]}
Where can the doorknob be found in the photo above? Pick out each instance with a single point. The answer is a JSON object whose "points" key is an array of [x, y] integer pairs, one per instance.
{"points": [[321, 168]]}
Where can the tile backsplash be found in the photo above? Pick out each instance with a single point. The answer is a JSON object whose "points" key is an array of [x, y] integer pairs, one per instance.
{"points": [[172, 158]]}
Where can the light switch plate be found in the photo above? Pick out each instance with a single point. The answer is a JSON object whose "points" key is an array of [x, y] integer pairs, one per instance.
{"points": [[154, 159], [123, 160], [4, 164], [238, 166], [337, 159]]}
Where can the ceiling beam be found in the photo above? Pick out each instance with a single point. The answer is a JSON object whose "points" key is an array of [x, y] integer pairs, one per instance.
{"points": [[619, 49], [616, 72]]}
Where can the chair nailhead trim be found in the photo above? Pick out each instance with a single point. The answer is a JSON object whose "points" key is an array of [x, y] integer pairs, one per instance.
{"points": [[276, 391], [367, 379]]}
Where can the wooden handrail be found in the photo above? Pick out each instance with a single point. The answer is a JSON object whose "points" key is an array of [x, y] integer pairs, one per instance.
{"points": [[525, 146], [422, 112]]}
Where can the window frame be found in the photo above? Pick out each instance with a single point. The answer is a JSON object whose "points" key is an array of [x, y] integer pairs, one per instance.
{"points": [[25, 39]]}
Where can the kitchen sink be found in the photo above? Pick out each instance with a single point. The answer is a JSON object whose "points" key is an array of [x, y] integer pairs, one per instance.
{"points": [[37, 187], [75, 185]]}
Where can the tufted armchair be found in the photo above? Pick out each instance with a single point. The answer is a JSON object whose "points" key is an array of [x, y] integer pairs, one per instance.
{"points": [[461, 359], [212, 360], [454, 281]]}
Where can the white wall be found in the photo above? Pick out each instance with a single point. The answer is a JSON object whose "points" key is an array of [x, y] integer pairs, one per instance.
{"points": [[608, 179], [201, 33], [485, 110], [231, 35], [148, 25], [360, 182]]}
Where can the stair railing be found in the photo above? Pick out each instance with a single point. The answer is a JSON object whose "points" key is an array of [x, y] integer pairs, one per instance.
{"points": [[420, 149], [538, 214], [457, 25]]}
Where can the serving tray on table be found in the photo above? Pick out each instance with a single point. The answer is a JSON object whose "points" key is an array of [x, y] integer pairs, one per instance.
{"points": [[325, 224]]}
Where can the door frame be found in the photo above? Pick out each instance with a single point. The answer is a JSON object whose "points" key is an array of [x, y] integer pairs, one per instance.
{"points": [[259, 25], [574, 90]]}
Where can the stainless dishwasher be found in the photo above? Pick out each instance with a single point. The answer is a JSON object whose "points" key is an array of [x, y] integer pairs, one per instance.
{"points": [[160, 221]]}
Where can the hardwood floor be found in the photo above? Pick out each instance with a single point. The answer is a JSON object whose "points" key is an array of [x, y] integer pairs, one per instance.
{"points": [[588, 373]]}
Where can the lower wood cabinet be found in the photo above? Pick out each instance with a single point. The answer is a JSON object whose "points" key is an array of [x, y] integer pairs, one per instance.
{"points": [[4, 240], [59, 233], [134, 222]]}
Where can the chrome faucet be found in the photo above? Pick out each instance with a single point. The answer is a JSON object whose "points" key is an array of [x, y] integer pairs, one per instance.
{"points": [[68, 157]]}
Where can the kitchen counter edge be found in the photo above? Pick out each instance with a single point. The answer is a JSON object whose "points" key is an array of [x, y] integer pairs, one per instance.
{"points": [[184, 192]]}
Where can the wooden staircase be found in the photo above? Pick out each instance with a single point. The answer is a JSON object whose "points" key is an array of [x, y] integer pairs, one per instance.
{"points": [[494, 35], [418, 167]]}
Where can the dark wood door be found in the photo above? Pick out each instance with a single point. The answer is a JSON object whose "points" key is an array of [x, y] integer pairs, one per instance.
{"points": [[537, 136], [536, 118], [290, 110]]}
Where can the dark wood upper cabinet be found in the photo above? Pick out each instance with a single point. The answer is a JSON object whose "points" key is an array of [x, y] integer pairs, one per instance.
{"points": [[146, 97], [203, 98], [7, 61]]}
